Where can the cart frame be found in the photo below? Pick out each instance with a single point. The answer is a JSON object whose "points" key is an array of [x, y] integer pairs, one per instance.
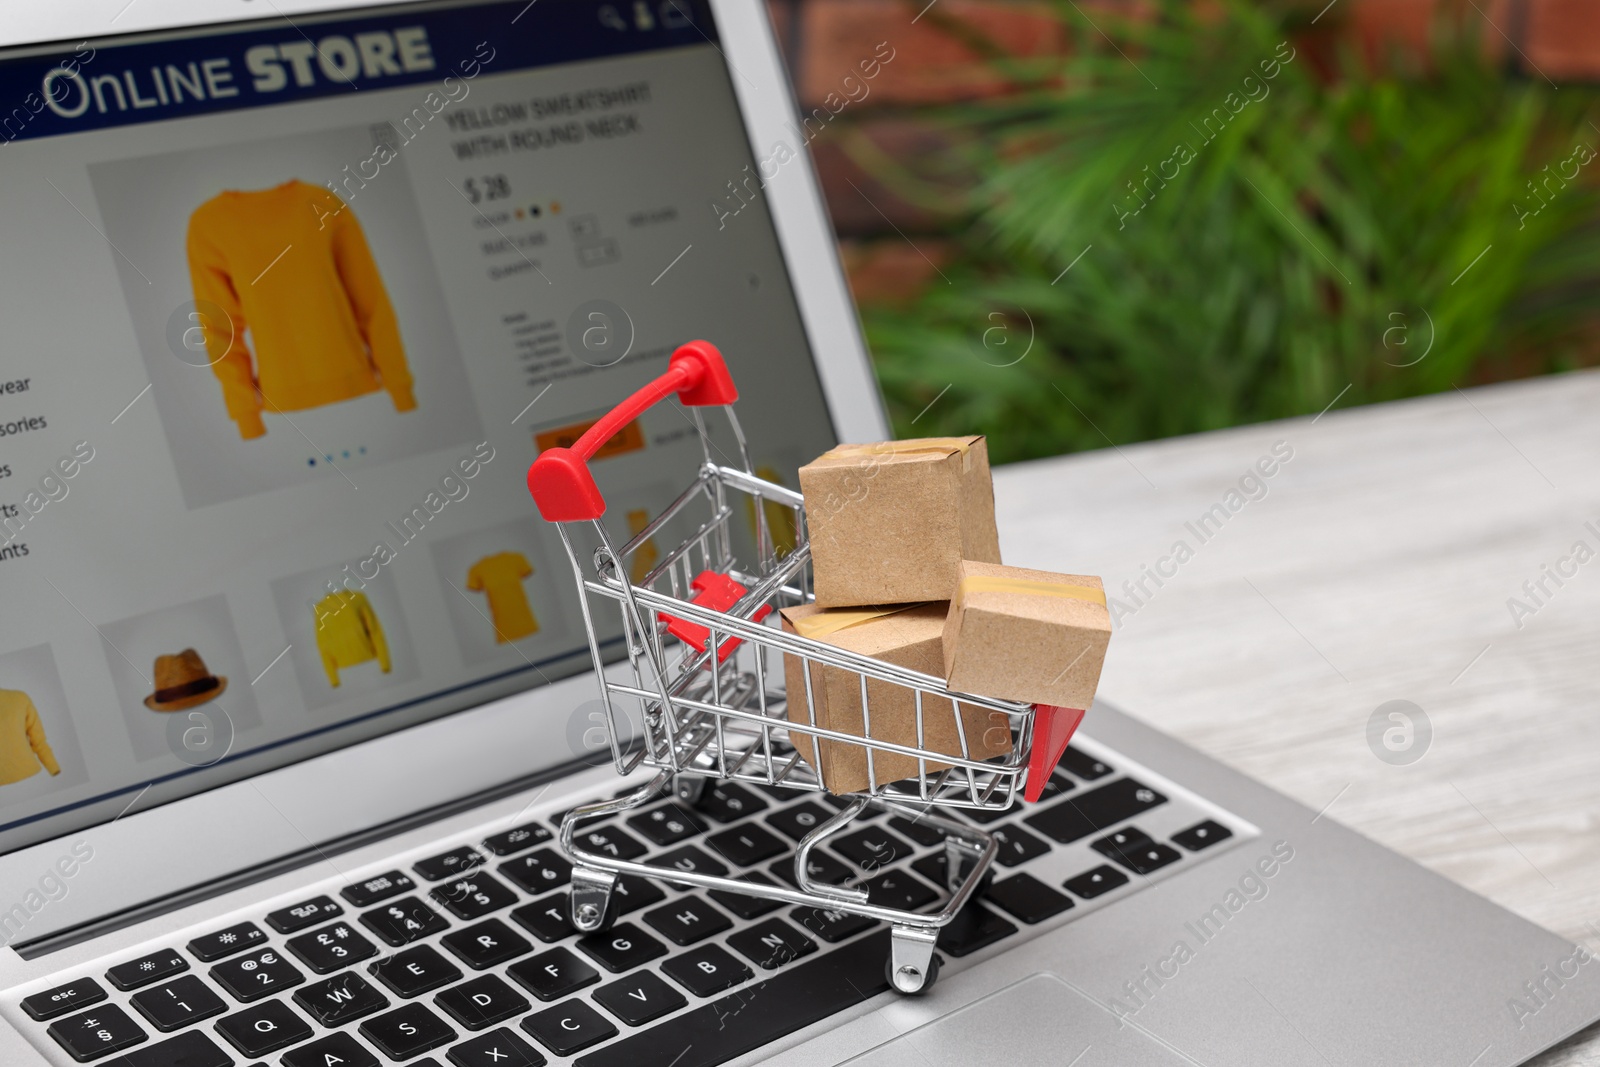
{"points": [[705, 706]]}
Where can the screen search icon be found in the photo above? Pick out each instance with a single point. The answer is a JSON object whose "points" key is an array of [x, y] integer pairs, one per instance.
{"points": [[611, 19]]}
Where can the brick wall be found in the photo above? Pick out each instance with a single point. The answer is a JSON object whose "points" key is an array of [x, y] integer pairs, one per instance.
{"points": [[825, 41]]}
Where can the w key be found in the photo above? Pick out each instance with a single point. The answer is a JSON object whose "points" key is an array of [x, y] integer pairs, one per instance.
{"points": [[260, 974], [340, 999]]}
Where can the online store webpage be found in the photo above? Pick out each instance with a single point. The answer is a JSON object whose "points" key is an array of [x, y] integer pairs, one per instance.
{"points": [[287, 316]]}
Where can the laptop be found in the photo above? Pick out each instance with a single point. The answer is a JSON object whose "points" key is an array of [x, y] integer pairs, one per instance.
{"points": [[295, 684]]}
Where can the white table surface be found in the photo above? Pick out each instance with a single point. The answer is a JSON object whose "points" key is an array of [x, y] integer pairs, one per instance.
{"points": [[1377, 568]]}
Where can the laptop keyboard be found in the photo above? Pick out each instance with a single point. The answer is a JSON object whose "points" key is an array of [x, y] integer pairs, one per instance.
{"points": [[465, 957]]}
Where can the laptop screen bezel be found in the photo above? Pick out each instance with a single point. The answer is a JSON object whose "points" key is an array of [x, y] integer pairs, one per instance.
{"points": [[146, 855]]}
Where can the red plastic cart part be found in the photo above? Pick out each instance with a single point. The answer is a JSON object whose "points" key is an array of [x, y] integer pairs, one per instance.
{"points": [[1053, 727], [717, 592], [559, 479]]}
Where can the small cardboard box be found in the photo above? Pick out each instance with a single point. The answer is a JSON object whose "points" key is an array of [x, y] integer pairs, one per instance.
{"points": [[907, 637], [1032, 636], [890, 523]]}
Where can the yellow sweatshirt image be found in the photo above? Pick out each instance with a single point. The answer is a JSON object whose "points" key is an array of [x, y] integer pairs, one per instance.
{"points": [[291, 265], [23, 748], [348, 633], [500, 577]]}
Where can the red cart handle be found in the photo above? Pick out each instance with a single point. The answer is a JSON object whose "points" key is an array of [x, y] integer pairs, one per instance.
{"points": [[559, 479]]}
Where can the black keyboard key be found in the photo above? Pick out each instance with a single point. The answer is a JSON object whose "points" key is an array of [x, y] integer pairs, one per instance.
{"points": [[1027, 898], [691, 860], [332, 947], [380, 887], [143, 971], [923, 833], [537, 872], [832, 925], [900, 890], [635, 893], [63, 998], [974, 927], [474, 897], [482, 1002], [687, 920], [297, 917], [500, 1048], [335, 1050], [488, 944], [1202, 835], [97, 1032], [869, 812], [986, 816], [819, 865], [340, 999], [772, 943], [1084, 766], [639, 998], [706, 971], [518, 838], [622, 948], [452, 864], [800, 820], [611, 842], [226, 942], [177, 1004], [1057, 785], [569, 1028], [1125, 838], [781, 793], [668, 824], [1145, 858], [407, 1031], [404, 921], [1081, 814], [415, 971], [1017, 846], [727, 802], [1091, 884], [742, 904], [548, 919], [552, 975], [193, 1049], [932, 867], [753, 1016], [260, 974], [872, 848], [746, 845], [264, 1028]]}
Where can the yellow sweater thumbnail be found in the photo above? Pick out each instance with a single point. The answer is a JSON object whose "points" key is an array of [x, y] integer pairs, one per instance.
{"points": [[499, 577], [348, 633], [22, 743], [292, 265]]}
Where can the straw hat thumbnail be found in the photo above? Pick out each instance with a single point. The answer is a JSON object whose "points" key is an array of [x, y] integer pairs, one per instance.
{"points": [[183, 681]]}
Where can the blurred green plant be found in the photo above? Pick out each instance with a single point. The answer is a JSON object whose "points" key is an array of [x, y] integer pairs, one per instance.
{"points": [[1396, 228]]}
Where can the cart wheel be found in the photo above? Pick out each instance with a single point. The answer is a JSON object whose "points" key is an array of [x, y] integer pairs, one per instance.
{"points": [[580, 915], [689, 788], [592, 905], [910, 982]]}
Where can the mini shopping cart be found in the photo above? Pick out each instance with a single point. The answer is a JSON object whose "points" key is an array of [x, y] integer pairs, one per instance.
{"points": [[697, 624]]}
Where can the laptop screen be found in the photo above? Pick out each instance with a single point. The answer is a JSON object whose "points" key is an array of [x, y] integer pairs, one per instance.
{"points": [[289, 307]]}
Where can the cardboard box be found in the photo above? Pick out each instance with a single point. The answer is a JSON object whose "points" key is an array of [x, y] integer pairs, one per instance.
{"points": [[890, 523], [907, 637], [1032, 636]]}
